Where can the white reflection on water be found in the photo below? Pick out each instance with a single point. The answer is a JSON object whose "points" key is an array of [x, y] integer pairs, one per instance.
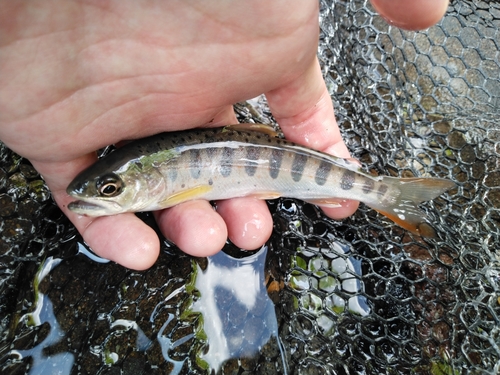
{"points": [[84, 250], [42, 364], [239, 318]]}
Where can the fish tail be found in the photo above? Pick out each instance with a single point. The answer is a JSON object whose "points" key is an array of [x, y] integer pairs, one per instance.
{"points": [[404, 210]]}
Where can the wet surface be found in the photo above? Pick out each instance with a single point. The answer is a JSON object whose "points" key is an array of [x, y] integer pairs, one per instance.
{"points": [[358, 296], [240, 315]]}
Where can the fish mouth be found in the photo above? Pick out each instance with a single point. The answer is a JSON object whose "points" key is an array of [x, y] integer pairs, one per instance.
{"points": [[90, 208]]}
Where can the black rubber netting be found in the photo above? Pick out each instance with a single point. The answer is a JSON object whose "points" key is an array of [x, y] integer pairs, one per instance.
{"points": [[358, 296]]}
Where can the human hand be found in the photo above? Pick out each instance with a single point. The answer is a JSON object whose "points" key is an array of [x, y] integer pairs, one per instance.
{"points": [[77, 76]]}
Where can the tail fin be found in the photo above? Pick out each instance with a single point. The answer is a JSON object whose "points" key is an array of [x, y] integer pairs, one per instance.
{"points": [[404, 211]]}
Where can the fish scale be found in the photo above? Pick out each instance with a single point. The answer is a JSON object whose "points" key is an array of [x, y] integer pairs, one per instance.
{"points": [[236, 161], [310, 176]]}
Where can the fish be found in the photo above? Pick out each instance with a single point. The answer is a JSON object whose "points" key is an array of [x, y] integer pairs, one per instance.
{"points": [[241, 160]]}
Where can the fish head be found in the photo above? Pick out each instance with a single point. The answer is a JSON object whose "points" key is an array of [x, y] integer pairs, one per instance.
{"points": [[131, 188]]}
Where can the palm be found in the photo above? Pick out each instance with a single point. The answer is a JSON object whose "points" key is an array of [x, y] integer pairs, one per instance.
{"points": [[141, 71]]}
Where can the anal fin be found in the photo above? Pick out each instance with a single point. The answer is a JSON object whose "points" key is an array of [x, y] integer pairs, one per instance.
{"points": [[266, 195], [329, 203]]}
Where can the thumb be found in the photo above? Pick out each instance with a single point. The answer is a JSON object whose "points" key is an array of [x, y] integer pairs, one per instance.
{"points": [[304, 111]]}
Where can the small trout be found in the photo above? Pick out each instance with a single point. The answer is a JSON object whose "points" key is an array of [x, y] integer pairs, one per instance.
{"points": [[236, 161]]}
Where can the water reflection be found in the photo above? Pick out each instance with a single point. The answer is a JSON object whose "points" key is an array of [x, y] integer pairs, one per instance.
{"points": [[168, 344], [84, 250], [238, 320], [239, 317], [42, 363], [334, 271]]}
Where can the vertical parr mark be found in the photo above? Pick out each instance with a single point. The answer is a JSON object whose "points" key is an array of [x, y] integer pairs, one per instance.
{"points": [[250, 162], [275, 162], [368, 186], [298, 165], [322, 172], [172, 172], [211, 152], [226, 161], [347, 180], [383, 189], [195, 163]]}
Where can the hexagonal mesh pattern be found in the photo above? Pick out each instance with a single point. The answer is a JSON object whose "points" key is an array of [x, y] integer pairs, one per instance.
{"points": [[358, 296]]}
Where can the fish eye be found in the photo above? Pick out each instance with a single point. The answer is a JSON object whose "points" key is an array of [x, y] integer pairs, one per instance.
{"points": [[109, 185]]}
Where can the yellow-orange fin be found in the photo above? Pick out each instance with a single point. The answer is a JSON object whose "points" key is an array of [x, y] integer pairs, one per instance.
{"points": [[329, 203], [262, 128], [403, 210], [414, 222], [196, 192], [266, 195]]}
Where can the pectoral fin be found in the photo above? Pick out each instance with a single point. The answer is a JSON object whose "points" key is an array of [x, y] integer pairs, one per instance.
{"points": [[197, 192]]}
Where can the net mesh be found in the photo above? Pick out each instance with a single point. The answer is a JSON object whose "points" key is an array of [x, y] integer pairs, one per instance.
{"points": [[357, 296]]}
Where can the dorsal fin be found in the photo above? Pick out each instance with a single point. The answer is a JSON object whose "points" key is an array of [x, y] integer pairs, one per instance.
{"points": [[262, 128]]}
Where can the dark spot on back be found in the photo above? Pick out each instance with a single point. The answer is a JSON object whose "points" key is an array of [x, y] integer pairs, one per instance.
{"points": [[209, 136]]}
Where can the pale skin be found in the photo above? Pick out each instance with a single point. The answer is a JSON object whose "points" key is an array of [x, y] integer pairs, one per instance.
{"points": [[76, 76]]}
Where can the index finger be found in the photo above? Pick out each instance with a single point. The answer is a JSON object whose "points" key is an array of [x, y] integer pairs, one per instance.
{"points": [[411, 14], [123, 238]]}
